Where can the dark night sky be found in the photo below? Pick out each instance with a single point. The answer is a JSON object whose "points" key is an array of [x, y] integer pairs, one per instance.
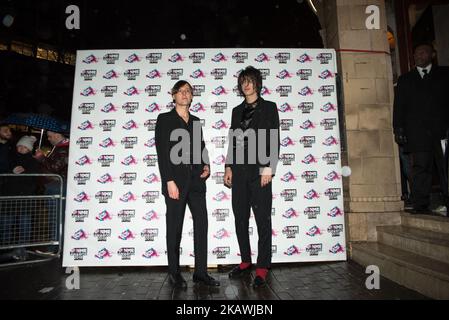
{"points": [[27, 84], [159, 24]]}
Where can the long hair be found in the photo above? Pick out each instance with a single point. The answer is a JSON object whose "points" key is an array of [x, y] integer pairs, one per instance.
{"points": [[178, 85], [251, 74]]}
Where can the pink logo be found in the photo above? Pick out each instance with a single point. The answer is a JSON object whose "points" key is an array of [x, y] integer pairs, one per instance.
{"points": [[109, 108], [287, 142], [330, 141], [131, 124], [306, 91], [328, 107], [220, 125], [220, 160], [338, 248], [312, 194], [86, 125], [326, 74], [288, 177], [126, 235], [262, 58], [309, 159], [176, 58], [153, 108], [103, 216], [88, 92], [197, 74], [130, 160], [90, 59], [79, 235], [127, 197], [153, 74], [293, 250], [221, 196], [265, 91], [106, 143], [335, 212], [222, 233], [284, 74], [314, 231], [149, 216], [304, 58], [83, 161], [220, 57], [132, 58], [285, 108], [150, 143], [152, 178], [106, 178], [111, 75], [332, 176], [151, 253], [133, 91], [306, 125], [197, 107], [219, 91], [81, 197], [103, 253], [290, 213]]}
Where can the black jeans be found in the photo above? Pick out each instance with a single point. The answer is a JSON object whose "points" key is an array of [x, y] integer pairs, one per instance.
{"points": [[247, 193], [196, 200]]}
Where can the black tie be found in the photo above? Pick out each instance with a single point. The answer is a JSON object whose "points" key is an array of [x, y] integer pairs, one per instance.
{"points": [[425, 74]]}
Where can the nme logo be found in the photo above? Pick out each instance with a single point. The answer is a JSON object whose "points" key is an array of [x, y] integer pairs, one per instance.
{"points": [[174, 74], [240, 57], [197, 57], [153, 57], [219, 73], [282, 57]]}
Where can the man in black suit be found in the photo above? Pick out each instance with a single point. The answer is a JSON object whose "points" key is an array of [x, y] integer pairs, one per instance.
{"points": [[184, 167], [253, 153], [420, 123]]}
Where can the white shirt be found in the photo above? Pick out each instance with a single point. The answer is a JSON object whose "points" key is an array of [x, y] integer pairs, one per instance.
{"points": [[421, 72]]}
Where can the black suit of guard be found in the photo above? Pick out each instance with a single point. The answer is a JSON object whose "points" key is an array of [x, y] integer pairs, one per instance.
{"points": [[246, 180], [192, 191]]}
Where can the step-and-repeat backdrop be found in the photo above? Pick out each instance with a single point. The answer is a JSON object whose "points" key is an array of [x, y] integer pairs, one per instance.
{"points": [[115, 212]]}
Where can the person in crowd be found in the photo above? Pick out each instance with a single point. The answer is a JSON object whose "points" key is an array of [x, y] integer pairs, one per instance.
{"points": [[249, 172], [184, 183], [421, 122], [56, 162]]}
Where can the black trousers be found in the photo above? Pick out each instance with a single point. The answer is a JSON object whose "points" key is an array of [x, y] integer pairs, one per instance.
{"points": [[421, 176], [196, 200], [246, 194]]}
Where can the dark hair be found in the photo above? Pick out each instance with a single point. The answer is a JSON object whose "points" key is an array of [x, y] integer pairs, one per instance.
{"points": [[423, 44], [178, 85], [252, 74], [4, 125]]}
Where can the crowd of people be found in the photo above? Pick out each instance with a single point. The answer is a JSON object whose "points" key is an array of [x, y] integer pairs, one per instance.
{"points": [[20, 159]]}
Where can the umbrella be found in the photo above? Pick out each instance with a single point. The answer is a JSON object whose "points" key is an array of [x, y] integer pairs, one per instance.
{"points": [[39, 121]]}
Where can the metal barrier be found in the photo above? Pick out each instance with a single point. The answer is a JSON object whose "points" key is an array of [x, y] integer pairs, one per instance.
{"points": [[30, 221]]}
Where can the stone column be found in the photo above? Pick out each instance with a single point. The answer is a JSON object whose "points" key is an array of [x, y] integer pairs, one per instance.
{"points": [[372, 192]]}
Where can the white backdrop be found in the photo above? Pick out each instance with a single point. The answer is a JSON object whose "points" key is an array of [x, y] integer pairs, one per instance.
{"points": [[115, 212]]}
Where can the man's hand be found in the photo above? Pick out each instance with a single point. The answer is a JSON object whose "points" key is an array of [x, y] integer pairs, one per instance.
{"points": [[173, 191], [399, 137], [266, 177], [18, 170], [228, 177], [206, 172]]}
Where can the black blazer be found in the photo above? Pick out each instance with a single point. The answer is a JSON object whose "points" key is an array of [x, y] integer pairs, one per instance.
{"points": [[421, 107], [182, 174], [265, 116]]}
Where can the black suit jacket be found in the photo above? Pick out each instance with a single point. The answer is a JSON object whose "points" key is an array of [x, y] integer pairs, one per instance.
{"points": [[265, 117], [421, 107], [183, 174]]}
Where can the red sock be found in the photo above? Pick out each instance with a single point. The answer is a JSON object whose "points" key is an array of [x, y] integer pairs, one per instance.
{"points": [[244, 265], [261, 273]]}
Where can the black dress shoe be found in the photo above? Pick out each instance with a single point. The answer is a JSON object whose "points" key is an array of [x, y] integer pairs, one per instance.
{"points": [[236, 272], [177, 280], [259, 282], [206, 280]]}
